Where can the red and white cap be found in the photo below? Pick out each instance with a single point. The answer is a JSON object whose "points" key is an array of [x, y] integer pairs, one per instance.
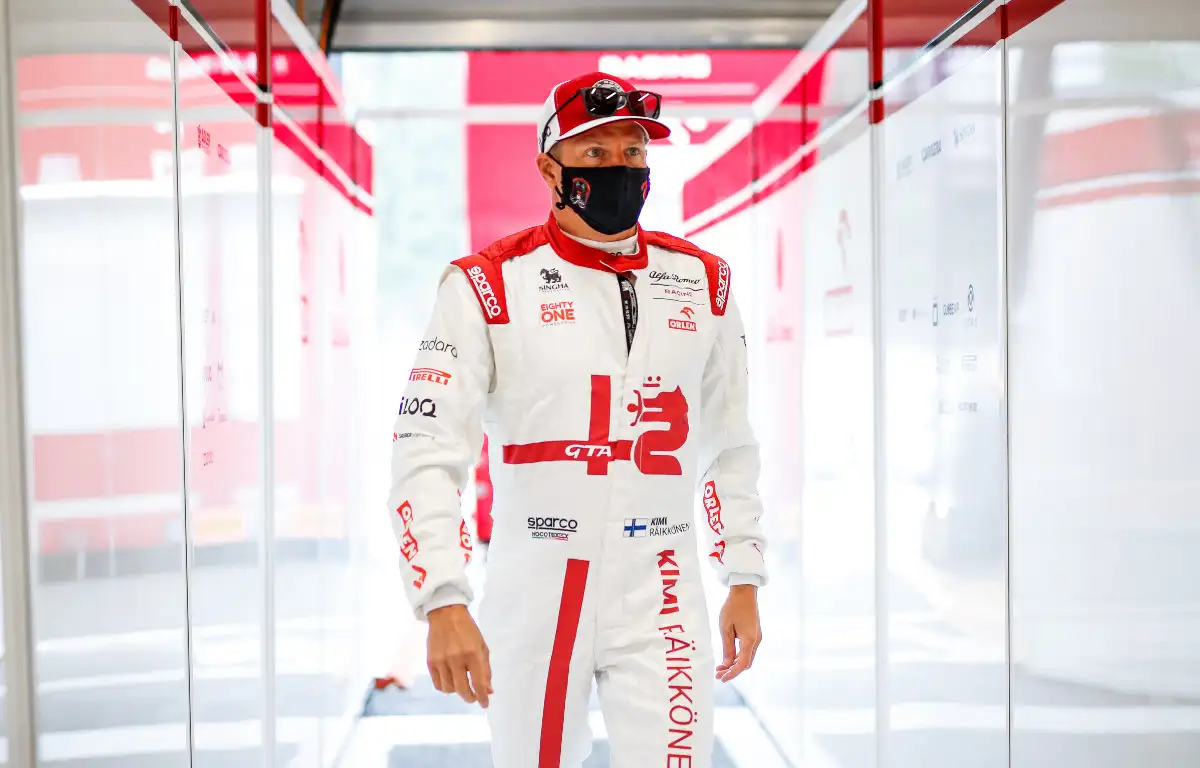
{"points": [[574, 119]]}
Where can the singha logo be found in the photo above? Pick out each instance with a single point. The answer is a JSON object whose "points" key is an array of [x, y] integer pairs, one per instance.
{"points": [[552, 281]]}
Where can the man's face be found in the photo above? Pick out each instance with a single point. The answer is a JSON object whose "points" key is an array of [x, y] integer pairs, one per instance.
{"points": [[620, 143]]}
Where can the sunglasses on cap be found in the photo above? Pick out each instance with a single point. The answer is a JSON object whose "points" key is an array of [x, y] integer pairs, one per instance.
{"points": [[605, 99]]}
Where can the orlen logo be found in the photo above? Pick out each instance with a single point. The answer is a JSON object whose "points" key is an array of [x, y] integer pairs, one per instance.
{"points": [[558, 312], [429, 374], [683, 325], [658, 66], [484, 289], [554, 528], [712, 505], [722, 284]]}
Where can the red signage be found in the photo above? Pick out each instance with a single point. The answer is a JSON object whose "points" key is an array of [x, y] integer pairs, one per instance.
{"points": [[691, 77]]}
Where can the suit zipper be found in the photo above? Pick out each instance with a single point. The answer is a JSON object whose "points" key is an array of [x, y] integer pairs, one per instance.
{"points": [[629, 309]]}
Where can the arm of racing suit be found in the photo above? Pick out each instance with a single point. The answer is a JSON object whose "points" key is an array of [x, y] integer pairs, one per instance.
{"points": [[730, 460], [437, 437]]}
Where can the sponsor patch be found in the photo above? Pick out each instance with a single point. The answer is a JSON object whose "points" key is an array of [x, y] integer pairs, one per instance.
{"points": [[418, 406], [685, 324], [665, 278], [553, 528], [408, 435], [483, 287], [638, 527], [409, 546], [712, 506], [432, 375], [552, 281], [558, 312], [437, 345], [722, 295]]}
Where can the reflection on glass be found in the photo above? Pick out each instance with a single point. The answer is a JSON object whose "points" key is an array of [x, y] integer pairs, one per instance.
{"points": [[222, 375], [942, 318], [317, 479], [833, 242], [1104, 369], [102, 382]]}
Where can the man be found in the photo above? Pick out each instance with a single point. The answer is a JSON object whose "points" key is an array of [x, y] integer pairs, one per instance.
{"points": [[609, 367]]}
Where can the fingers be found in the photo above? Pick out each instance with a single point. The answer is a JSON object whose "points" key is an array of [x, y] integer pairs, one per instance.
{"points": [[435, 674], [739, 666], [729, 646], [747, 648], [480, 671], [459, 663], [462, 685]]}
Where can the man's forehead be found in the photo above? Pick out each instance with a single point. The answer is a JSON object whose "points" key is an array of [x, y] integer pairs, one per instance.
{"points": [[625, 129]]}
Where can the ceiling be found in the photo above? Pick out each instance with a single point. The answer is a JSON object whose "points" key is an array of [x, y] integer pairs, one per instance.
{"points": [[569, 24]]}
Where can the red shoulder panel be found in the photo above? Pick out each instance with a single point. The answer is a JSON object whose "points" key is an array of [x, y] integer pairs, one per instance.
{"points": [[484, 271], [715, 266]]}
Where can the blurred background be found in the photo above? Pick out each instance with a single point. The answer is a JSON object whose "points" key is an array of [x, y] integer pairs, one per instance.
{"points": [[965, 241]]}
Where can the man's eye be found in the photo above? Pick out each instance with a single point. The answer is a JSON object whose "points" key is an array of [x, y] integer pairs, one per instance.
{"points": [[633, 151], [593, 152]]}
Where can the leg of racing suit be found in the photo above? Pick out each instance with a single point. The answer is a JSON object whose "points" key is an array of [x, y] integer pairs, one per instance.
{"points": [[543, 664], [656, 674], [642, 630]]}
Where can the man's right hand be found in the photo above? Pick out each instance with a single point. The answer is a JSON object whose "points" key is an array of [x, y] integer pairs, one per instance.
{"points": [[458, 656]]}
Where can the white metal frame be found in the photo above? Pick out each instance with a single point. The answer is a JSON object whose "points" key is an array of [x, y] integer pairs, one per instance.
{"points": [[1004, 394], [555, 34], [184, 448], [883, 702], [266, 330], [19, 673]]}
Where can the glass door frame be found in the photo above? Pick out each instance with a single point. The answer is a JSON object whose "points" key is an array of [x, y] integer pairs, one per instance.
{"points": [[20, 679]]}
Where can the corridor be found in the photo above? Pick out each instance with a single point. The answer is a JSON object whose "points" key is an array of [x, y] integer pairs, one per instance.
{"points": [[961, 238]]}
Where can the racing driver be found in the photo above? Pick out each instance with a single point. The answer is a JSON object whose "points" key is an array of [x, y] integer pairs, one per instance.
{"points": [[607, 365]]}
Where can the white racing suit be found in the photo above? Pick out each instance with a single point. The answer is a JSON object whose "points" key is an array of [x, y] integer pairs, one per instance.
{"points": [[601, 433]]}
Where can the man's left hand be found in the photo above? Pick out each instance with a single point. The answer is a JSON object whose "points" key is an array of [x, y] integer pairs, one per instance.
{"points": [[740, 631]]}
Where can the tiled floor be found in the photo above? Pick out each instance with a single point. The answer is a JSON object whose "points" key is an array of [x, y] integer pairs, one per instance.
{"points": [[423, 728]]}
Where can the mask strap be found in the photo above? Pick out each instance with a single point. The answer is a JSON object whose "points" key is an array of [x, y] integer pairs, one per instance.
{"points": [[561, 204]]}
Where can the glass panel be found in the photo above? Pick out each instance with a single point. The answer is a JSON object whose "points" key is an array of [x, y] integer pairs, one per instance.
{"points": [[102, 382], [832, 237], [309, 513], [222, 368], [1105, 422], [946, 518]]}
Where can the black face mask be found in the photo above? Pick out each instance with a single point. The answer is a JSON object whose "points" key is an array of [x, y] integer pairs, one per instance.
{"points": [[609, 199]]}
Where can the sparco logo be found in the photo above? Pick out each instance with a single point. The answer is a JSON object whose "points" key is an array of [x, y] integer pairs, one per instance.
{"points": [[484, 289], [722, 284], [437, 345], [556, 528]]}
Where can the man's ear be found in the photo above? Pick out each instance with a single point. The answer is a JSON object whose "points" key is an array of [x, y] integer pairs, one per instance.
{"points": [[549, 170]]}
